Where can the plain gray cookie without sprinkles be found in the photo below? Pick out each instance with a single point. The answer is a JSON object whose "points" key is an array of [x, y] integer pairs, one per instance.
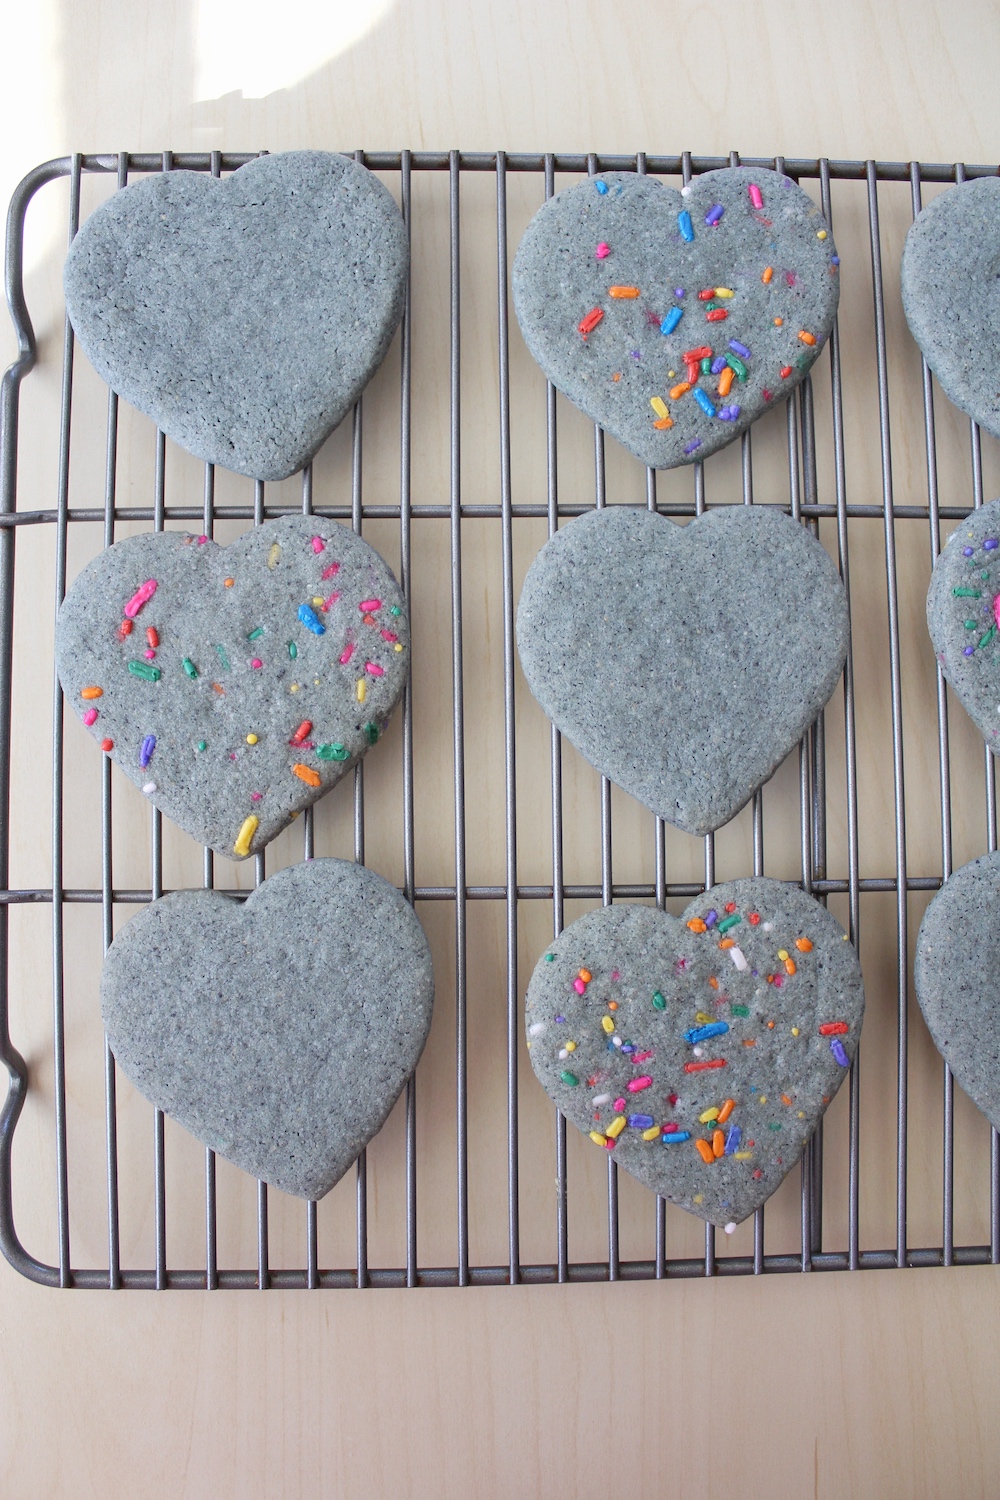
{"points": [[700, 1053], [675, 319], [244, 314], [683, 662], [955, 973], [950, 280], [279, 1032]]}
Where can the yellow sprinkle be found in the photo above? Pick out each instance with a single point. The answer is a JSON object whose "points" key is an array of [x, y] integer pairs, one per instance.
{"points": [[570, 1046], [698, 1198], [317, 601], [650, 1135], [246, 833], [616, 1127], [659, 406], [782, 954], [742, 1155], [397, 647], [294, 687], [795, 1031], [821, 234], [802, 1114], [273, 555], [671, 374], [598, 1139], [704, 1020], [251, 739], [723, 291], [608, 1024], [763, 1098], [361, 690], [710, 1114]]}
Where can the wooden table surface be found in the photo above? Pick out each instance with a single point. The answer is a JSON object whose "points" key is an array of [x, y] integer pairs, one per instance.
{"points": [[833, 1385]]}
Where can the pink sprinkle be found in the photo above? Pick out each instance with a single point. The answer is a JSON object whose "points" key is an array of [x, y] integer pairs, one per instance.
{"points": [[387, 635], [318, 544], [996, 609], [256, 796], [232, 755], [609, 1145], [368, 605], [636, 1085], [579, 986], [766, 394], [374, 668], [753, 193], [331, 570], [141, 596], [202, 540], [256, 662], [149, 655], [90, 717], [669, 1127], [615, 975], [346, 654], [619, 1105], [790, 277], [638, 1057], [778, 981], [327, 602], [602, 251]]}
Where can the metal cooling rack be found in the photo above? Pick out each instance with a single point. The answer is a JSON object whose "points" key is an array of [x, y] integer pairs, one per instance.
{"points": [[804, 488]]}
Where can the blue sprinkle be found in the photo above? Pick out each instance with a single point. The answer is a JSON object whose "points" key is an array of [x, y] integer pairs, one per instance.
{"points": [[733, 1139], [601, 187], [740, 349], [711, 917], [674, 1137], [839, 1054], [990, 544], [703, 401], [641, 1122], [311, 619], [702, 1033], [718, 364], [685, 226], [672, 319], [714, 214], [146, 753]]}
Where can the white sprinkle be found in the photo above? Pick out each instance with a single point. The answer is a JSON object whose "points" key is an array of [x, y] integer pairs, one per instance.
{"points": [[730, 1227], [736, 954], [768, 926], [686, 191], [616, 1039], [149, 788], [536, 1029], [699, 1052], [563, 1053], [601, 1099]]}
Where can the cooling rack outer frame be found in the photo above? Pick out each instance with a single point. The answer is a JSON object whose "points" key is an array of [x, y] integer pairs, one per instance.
{"points": [[161, 1276]]}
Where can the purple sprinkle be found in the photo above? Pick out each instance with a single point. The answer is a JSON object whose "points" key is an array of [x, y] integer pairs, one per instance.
{"points": [[734, 412], [740, 349], [718, 364], [724, 414], [711, 918], [755, 973], [636, 354], [733, 1138], [628, 1048], [967, 551], [146, 753], [714, 214], [678, 291], [690, 447], [968, 651], [640, 1122], [839, 1054], [835, 260], [560, 1020], [990, 544]]}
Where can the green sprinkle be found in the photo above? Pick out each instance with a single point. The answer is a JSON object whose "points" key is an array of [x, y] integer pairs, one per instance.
{"points": [[550, 958], [145, 671], [201, 745], [569, 1078], [371, 732], [333, 752], [394, 609], [972, 624], [985, 640], [189, 667], [293, 650], [737, 366], [774, 1125], [728, 922], [255, 635], [967, 593], [223, 657], [706, 367], [804, 361], [985, 573], [658, 1001], [740, 1010]]}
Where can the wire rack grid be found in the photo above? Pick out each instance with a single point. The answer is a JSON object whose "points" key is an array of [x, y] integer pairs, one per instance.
{"points": [[829, 856]]}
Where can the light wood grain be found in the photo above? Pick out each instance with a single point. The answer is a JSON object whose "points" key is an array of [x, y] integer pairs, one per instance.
{"points": [[829, 1386]]}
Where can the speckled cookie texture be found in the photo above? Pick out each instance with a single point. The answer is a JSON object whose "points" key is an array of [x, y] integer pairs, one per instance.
{"points": [[951, 294], [701, 1052], [675, 318], [244, 314], [956, 969], [683, 662], [281, 1031], [235, 685], [963, 617]]}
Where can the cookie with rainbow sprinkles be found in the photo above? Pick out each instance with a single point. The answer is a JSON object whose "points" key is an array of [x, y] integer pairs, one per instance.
{"points": [[675, 319], [699, 1052], [235, 685], [963, 617]]}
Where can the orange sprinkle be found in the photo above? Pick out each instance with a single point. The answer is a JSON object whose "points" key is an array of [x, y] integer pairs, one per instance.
{"points": [[718, 1142], [92, 692], [725, 381], [789, 966], [623, 291], [662, 423], [779, 322], [785, 1099], [726, 1111], [751, 1043], [307, 774], [586, 975], [612, 1005], [617, 376], [803, 945], [697, 925], [807, 338], [676, 393], [768, 273], [770, 1025], [218, 688], [228, 582], [124, 629], [714, 982], [705, 1151], [152, 636], [727, 943]]}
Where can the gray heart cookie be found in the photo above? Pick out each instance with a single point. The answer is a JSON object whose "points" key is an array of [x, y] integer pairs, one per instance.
{"points": [[955, 975], [675, 319], [700, 1051], [683, 662], [950, 281], [279, 1032], [963, 617], [235, 685], [244, 314]]}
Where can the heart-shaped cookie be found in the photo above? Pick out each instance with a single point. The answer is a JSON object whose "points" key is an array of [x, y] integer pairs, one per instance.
{"points": [[963, 617], [956, 965], [244, 314], [235, 685], [701, 1051], [683, 662], [950, 280], [674, 319], [279, 1032]]}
